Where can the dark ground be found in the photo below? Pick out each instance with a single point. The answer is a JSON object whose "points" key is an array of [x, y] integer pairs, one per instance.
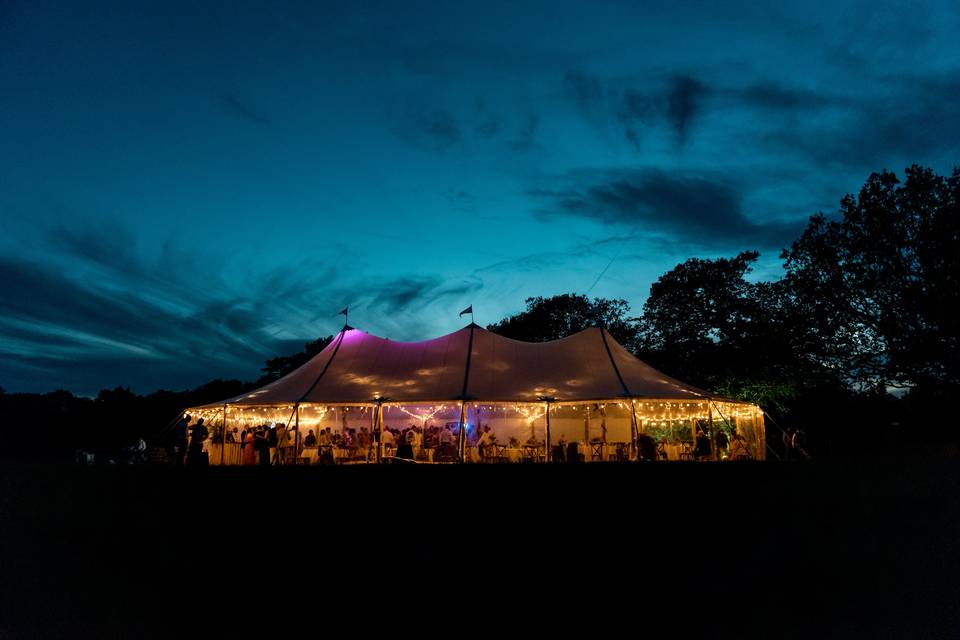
{"points": [[830, 549]]}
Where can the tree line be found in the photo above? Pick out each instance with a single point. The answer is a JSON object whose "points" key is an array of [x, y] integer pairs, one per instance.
{"points": [[857, 342]]}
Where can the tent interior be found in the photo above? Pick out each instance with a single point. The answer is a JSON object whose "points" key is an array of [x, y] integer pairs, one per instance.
{"points": [[582, 398]]}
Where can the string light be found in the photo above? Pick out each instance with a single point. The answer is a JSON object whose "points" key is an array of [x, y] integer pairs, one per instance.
{"points": [[422, 418]]}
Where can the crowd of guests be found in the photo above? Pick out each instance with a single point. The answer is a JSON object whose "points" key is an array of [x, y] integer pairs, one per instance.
{"points": [[260, 444], [266, 444]]}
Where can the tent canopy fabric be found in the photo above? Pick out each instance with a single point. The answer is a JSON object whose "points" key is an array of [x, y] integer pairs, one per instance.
{"points": [[469, 364]]}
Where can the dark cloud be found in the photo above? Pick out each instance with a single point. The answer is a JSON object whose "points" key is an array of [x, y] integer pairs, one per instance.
{"points": [[704, 207], [770, 95], [94, 314], [233, 106], [92, 300], [126, 317], [917, 119], [414, 293], [684, 102], [677, 105]]}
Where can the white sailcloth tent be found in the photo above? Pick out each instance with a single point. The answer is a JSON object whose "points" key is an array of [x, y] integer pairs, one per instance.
{"points": [[586, 388]]}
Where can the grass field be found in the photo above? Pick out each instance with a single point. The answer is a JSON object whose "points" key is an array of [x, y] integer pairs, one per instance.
{"points": [[840, 549]]}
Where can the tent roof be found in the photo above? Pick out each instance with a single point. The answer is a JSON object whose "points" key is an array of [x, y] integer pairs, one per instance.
{"points": [[469, 364]]}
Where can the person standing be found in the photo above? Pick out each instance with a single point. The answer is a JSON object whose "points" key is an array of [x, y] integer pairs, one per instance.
{"points": [[560, 449], [261, 442], [486, 438], [285, 444], [273, 441], [249, 456], [198, 434], [722, 444]]}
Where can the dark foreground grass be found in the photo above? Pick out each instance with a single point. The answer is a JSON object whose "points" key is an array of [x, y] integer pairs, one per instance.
{"points": [[827, 549]]}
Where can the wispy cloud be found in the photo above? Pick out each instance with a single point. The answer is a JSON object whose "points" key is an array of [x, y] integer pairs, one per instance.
{"points": [[701, 205]]}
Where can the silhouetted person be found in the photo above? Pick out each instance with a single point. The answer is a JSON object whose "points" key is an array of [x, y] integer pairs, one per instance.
{"points": [[261, 443], [198, 434], [405, 446], [722, 443], [702, 447], [310, 440], [486, 438], [646, 447], [559, 450]]}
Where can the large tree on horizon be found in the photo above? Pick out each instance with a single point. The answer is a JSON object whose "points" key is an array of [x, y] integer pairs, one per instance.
{"points": [[877, 288], [563, 315]]}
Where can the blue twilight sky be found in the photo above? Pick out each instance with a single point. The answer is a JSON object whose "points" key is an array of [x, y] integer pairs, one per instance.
{"points": [[189, 188]]}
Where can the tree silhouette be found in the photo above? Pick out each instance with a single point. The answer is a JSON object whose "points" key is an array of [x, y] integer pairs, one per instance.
{"points": [[560, 316], [279, 366], [878, 288]]}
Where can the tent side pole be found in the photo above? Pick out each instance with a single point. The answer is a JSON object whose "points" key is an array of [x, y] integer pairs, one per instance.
{"points": [[713, 448], [296, 432], [223, 434], [634, 430], [379, 431], [760, 432], [373, 427], [547, 450], [462, 435], [586, 427]]}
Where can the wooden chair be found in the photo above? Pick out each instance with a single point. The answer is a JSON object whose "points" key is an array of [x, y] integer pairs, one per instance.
{"points": [[596, 451]]}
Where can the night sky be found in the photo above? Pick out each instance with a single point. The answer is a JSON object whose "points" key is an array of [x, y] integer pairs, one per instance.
{"points": [[190, 188]]}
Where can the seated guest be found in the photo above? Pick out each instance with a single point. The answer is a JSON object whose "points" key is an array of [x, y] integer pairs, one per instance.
{"points": [[310, 440]]}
